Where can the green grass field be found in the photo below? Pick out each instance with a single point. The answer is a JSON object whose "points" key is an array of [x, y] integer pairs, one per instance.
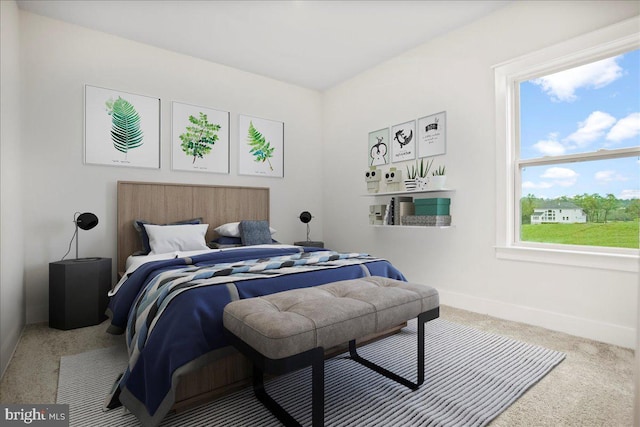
{"points": [[611, 234]]}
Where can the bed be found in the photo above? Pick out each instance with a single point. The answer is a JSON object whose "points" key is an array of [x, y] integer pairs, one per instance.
{"points": [[169, 305]]}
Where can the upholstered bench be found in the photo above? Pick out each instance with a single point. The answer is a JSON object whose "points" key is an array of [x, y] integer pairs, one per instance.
{"points": [[290, 330]]}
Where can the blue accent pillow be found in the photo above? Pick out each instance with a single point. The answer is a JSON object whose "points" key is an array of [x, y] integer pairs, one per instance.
{"points": [[255, 233], [144, 237], [225, 240]]}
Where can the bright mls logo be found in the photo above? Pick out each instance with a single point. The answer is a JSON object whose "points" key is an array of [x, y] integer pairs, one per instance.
{"points": [[36, 415]]}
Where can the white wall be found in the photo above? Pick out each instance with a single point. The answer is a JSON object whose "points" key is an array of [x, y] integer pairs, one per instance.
{"points": [[454, 73], [58, 59], [12, 306]]}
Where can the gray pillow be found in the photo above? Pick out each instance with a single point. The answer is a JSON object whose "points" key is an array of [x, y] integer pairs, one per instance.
{"points": [[255, 233]]}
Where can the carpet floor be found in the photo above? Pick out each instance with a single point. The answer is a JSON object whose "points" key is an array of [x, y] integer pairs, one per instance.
{"points": [[593, 386], [471, 377]]}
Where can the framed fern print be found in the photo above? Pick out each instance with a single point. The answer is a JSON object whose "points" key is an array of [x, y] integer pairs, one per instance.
{"points": [[121, 128], [200, 139], [260, 147]]}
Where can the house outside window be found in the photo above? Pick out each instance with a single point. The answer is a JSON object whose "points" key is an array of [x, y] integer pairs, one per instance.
{"points": [[568, 129]]}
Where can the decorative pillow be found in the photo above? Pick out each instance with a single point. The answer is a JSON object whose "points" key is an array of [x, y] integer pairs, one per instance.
{"points": [[232, 229], [144, 238], [224, 240], [171, 238], [214, 245], [228, 242], [255, 233]]}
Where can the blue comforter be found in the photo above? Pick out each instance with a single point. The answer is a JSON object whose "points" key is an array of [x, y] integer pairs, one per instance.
{"points": [[171, 310]]}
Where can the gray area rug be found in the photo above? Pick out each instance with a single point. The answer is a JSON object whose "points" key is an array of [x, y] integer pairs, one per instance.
{"points": [[471, 377]]}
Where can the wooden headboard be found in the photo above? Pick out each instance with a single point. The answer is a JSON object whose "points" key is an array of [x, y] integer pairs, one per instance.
{"points": [[161, 203]]}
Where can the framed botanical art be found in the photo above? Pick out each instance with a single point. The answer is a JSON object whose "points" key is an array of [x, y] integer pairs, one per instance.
{"points": [[379, 147], [260, 147], [121, 128], [403, 142], [199, 139], [432, 133]]}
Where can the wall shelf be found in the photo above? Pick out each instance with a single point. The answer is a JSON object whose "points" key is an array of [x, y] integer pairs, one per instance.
{"points": [[405, 193], [411, 226]]}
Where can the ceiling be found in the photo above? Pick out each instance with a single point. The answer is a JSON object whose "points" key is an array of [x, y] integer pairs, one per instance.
{"points": [[314, 44]]}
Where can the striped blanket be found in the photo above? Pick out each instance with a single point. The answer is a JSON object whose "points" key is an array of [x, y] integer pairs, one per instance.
{"points": [[168, 285]]}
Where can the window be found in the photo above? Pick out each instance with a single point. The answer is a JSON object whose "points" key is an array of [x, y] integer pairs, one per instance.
{"points": [[568, 129], [578, 146]]}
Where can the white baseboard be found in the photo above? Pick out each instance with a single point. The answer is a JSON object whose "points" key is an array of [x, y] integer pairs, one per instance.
{"points": [[9, 346], [581, 327]]}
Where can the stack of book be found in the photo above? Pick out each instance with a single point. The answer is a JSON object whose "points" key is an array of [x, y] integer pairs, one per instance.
{"points": [[398, 208]]}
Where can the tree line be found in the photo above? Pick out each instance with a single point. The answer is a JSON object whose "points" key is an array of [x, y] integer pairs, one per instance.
{"points": [[598, 208]]}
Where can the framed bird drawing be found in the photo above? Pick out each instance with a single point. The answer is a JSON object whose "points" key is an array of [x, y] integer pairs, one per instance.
{"points": [[403, 142]]}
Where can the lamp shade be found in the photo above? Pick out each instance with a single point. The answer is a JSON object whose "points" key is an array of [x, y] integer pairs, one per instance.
{"points": [[305, 217], [86, 221]]}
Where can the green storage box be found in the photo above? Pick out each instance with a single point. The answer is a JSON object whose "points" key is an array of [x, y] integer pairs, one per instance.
{"points": [[432, 206]]}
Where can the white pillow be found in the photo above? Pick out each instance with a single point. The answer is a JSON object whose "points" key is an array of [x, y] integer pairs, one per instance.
{"points": [[169, 238], [232, 229]]}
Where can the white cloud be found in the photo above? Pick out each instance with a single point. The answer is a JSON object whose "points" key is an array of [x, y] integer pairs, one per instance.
{"points": [[556, 172], [549, 148], [629, 194], [563, 85], [604, 176], [563, 177], [625, 128], [555, 176], [591, 129], [534, 186], [608, 176]]}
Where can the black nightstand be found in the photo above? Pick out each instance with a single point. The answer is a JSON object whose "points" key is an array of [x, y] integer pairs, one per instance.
{"points": [[316, 244], [78, 292]]}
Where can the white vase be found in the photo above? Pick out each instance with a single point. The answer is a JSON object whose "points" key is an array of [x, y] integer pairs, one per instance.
{"points": [[410, 184], [422, 183], [437, 182]]}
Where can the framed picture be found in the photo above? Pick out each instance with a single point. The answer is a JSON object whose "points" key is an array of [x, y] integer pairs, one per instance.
{"points": [[199, 139], [403, 142], [121, 128], [260, 147], [379, 147], [432, 135]]}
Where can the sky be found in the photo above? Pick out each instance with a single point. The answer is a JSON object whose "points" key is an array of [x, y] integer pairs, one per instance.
{"points": [[584, 109]]}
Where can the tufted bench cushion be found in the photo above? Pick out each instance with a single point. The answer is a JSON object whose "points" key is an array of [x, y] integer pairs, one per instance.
{"points": [[291, 322]]}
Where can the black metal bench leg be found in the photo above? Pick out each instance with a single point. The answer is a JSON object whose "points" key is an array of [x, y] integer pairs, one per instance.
{"points": [[422, 319], [317, 393], [268, 402], [317, 389]]}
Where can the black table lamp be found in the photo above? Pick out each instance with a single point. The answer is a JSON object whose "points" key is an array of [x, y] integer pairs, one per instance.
{"points": [[84, 221], [305, 217]]}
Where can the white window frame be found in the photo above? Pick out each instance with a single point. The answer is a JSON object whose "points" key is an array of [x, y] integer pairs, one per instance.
{"points": [[607, 42]]}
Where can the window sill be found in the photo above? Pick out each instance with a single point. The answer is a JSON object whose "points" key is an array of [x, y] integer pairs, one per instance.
{"points": [[600, 260]]}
